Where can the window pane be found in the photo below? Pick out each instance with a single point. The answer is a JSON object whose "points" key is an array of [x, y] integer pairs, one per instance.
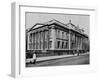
{"points": [[58, 44], [62, 44], [50, 44]]}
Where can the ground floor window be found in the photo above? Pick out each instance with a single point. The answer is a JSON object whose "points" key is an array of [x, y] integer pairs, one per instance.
{"points": [[66, 45], [58, 44], [45, 44], [30, 45], [62, 45], [50, 44]]}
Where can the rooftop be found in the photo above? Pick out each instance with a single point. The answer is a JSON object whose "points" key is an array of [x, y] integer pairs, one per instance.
{"points": [[70, 25]]}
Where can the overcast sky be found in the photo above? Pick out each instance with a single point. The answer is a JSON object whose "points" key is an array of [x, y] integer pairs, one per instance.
{"points": [[81, 20]]}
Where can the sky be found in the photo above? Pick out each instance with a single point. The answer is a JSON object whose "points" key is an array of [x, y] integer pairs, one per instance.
{"points": [[34, 17]]}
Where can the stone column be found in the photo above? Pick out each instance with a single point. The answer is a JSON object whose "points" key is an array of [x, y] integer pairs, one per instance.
{"points": [[40, 40], [33, 41], [53, 38], [43, 40], [48, 39], [69, 40], [30, 42], [27, 43], [81, 43]]}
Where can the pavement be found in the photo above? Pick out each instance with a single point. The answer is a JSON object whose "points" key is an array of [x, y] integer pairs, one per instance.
{"points": [[56, 57]]}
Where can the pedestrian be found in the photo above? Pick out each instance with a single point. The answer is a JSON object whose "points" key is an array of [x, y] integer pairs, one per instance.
{"points": [[77, 52], [34, 58]]}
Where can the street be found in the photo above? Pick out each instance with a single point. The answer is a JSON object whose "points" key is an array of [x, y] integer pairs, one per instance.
{"points": [[75, 60]]}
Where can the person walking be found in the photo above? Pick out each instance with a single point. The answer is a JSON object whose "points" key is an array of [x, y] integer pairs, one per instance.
{"points": [[78, 52], [34, 58]]}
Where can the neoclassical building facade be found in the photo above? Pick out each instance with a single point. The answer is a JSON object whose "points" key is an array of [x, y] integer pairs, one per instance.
{"points": [[56, 38]]}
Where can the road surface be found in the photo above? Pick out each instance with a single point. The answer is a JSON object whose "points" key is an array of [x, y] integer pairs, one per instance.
{"points": [[75, 60]]}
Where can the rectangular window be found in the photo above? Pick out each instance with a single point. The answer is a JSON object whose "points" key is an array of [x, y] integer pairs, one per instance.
{"points": [[46, 35], [73, 38], [62, 35], [50, 34], [62, 45], [58, 44], [41, 45], [67, 35], [50, 44], [58, 34], [30, 38], [72, 45], [30, 45], [66, 44]]}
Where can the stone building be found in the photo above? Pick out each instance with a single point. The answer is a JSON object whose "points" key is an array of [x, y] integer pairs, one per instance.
{"points": [[56, 38]]}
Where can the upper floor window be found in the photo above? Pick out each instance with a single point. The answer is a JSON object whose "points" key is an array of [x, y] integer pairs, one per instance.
{"points": [[33, 37], [58, 33], [62, 35], [41, 36], [46, 35], [67, 36], [72, 37], [50, 44], [37, 37], [66, 45], [50, 33], [30, 37]]}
